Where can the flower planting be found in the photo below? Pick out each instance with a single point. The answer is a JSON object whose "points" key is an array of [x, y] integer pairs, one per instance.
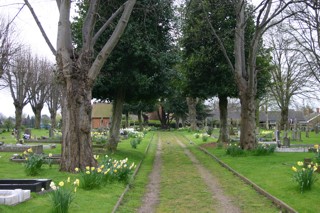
{"points": [[62, 195], [109, 170], [99, 138], [304, 175], [264, 149], [33, 163], [234, 150]]}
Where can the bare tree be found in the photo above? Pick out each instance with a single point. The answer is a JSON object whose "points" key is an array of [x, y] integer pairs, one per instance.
{"points": [[8, 46], [244, 67], [53, 100], [304, 28], [39, 87], [290, 76], [77, 71], [18, 78]]}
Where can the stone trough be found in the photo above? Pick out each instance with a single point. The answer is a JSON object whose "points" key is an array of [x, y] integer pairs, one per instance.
{"points": [[34, 185], [13, 197]]}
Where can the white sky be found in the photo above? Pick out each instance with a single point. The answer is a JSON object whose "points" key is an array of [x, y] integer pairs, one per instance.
{"points": [[30, 35]]}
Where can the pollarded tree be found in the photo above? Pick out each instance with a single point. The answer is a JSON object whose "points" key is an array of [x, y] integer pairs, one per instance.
{"points": [[53, 100], [77, 70], [18, 79], [39, 87]]}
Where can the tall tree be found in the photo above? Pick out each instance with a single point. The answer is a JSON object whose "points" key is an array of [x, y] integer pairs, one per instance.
{"points": [[290, 76], [77, 69], [39, 87], [244, 67], [53, 100], [139, 68], [18, 78]]}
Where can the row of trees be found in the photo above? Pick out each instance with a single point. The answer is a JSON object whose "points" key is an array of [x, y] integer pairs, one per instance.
{"points": [[30, 79], [215, 48]]}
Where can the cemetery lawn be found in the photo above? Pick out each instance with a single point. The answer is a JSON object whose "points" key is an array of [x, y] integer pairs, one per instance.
{"points": [[273, 173], [97, 200]]}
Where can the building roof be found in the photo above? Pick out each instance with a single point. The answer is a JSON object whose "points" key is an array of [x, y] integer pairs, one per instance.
{"points": [[101, 110], [273, 116]]}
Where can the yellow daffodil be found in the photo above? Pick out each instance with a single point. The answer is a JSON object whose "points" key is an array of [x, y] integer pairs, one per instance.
{"points": [[316, 146], [115, 171], [25, 152], [294, 169], [76, 169], [300, 163], [309, 166], [96, 157], [76, 182], [87, 167], [88, 172], [102, 166], [99, 170], [93, 168], [50, 155], [29, 150], [26, 158], [315, 168], [68, 180], [61, 183], [75, 189]]}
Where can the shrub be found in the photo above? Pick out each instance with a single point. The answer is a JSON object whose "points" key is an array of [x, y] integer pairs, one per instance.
{"points": [[196, 135], [134, 142], [62, 195], [205, 137], [234, 150], [33, 162], [304, 175], [264, 149]]}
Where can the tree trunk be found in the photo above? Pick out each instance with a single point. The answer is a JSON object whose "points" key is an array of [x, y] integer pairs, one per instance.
{"points": [[18, 114], [192, 102], [116, 121], [53, 114], [248, 122], [223, 106], [37, 115], [284, 118], [140, 120], [76, 131]]}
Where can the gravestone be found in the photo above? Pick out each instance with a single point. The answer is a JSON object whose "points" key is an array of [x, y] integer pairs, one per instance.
{"points": [[307, 132], [293, 134], [286, 142], [316, 129], [298, 135], [277, 136]]}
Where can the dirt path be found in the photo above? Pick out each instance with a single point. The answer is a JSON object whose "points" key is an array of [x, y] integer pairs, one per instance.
{"points": [[223, 204], [151, 198]]}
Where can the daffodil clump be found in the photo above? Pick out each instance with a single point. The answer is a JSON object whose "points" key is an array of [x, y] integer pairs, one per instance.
{"points": [[136, 138], [304, 175], [99, 137], [118, 170], [196, 135], [33, 163], [234, 150], [264, 149], [91, 177], [62, 195]]}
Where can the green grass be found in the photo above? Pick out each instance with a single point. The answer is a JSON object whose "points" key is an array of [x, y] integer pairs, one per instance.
{"points": [[99, 200], [273, 173]]}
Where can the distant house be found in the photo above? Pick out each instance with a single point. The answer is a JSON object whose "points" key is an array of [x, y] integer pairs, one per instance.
{"points": [[273, 117], [101, 115]]}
